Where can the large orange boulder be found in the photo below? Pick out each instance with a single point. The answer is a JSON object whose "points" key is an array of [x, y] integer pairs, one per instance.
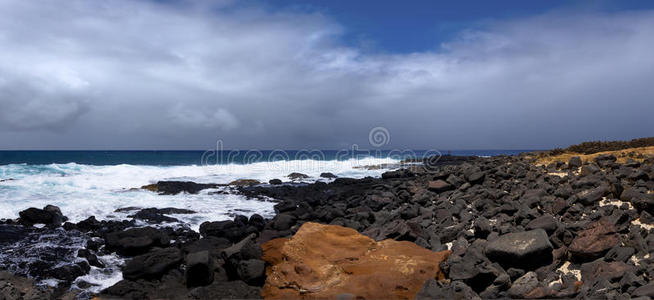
{"points": [[325, 261]]}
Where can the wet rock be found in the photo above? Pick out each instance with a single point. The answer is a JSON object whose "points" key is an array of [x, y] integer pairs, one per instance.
{"points": [[70, 272], [275, 181], [594, 241], [153, 264], [89, 224], [176, 187], [257, 221], [527, 249], [10, 234], [327, 175], [136, 241], [283, 221], [230, 230], [91, 258], [313, 256], [152, 215], [245, 182], [285, 206], [49, 215], [439, 186], [297, 176], [199, 269]]}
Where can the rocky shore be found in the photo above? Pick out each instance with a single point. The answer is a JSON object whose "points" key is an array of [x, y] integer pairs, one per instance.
{"points": [[459, 228]]}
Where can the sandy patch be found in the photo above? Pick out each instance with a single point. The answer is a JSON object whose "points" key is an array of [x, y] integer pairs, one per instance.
{"points": [[621, 156], [643, 225], [565, 269], [560, 174], [637, 260], [616, 202]]}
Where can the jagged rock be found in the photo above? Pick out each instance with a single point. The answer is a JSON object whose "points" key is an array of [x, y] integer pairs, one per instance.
{"points": [[89, 224], [456, 290], [308, 265], [601, 270], [594, 241], [283, 221], [645, 290], [327, 175], [246, 249], [152, 215], [49, 215], [589, 197], [136, 241], [522, 249], [230, 230], [545, 222], [401, 173], [473, 268], [245, 182], [226, 290], [199, 268], [252, 271], [10, 234], [605, 160], [297, 176], [524, 285], [90, 257], [212, 244], [176, 187], [153, 264]]}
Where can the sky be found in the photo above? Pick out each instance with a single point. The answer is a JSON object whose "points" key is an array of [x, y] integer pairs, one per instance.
{"points": [[285, 74]]}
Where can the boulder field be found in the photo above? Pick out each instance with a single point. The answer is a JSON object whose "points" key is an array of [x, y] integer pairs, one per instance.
{"points": [[455, 228]]}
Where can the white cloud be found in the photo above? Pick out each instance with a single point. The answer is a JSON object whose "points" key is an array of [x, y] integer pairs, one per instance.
{"points": [[139, 74]]}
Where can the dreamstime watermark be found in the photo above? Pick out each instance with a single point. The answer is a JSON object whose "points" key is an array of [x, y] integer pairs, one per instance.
{"points": [[315, 160]]}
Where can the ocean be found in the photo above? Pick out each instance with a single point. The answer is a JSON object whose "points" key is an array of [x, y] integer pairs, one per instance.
{"points": [[97, 183]]}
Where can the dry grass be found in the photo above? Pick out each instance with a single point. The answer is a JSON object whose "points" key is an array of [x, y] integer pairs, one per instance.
{"points": [[622, 155]]}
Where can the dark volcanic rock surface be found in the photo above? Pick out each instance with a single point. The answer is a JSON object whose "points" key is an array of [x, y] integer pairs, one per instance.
{"points": [[524, 249]]}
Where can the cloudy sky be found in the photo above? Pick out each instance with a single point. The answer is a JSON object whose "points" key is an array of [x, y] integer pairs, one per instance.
{"points": [[137, 74]]}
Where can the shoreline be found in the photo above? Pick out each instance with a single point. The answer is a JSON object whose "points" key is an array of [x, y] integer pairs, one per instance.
{"points": [[463, 207]]}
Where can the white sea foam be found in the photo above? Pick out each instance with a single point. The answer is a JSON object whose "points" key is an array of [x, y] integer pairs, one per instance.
{"points": [[100, 279], [84, 190]]}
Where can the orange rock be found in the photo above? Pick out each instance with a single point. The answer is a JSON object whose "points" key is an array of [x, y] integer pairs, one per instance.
{"points": [[324, 261]]}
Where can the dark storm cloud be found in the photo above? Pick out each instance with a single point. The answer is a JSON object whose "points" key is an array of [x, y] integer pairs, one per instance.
{"points": [[135, 74]]}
